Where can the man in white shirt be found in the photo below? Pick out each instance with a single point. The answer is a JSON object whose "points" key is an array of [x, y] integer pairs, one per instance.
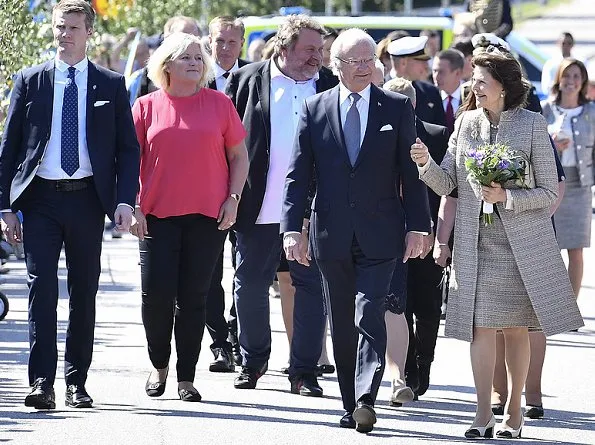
{"points": [[226, 39], [269, 96], [447, 72]]}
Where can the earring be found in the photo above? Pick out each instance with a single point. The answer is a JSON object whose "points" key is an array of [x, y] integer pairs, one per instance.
{"points": [[502, 94]]}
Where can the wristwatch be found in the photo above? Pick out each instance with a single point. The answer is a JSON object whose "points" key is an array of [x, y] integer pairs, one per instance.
{"points": [[235, 196]]}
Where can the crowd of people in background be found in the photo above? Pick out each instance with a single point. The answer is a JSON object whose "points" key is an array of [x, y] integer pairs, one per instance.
{"points": [[227, 147]]}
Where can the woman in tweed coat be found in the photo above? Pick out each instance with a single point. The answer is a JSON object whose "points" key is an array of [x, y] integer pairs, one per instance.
{"points": [[571, 119], [508, 275]]}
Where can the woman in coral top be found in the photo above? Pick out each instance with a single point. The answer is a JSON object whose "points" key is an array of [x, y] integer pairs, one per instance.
{"points": [[193, 168]]}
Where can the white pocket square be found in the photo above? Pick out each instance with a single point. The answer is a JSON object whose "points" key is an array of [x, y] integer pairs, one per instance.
{"points": [[386, 127], [100, 103]]}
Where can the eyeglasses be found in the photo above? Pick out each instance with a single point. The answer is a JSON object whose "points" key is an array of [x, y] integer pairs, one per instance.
{"points": [[355, 62]]}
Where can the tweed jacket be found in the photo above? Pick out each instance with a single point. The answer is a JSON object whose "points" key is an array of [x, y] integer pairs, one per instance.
{"points": [[528, 226], [583, 135]]}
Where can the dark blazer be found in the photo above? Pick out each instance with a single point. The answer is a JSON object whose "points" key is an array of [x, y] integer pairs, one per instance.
{"points": [[249, 89], [363, 200], [111, 140], [429, 103], [436, 139], [241, 62]]}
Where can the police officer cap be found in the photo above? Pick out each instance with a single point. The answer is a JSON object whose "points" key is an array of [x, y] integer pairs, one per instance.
{"points": [[486, 39], [409, 47]]}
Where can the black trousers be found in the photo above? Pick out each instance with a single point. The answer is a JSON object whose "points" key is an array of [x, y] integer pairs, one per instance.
{"points": [[216, 324], [177, 261], [424, 302], [51, 219], [356, 289]]}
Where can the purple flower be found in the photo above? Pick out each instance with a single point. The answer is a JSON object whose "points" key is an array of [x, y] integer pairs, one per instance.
{"points": [[503, 164], [474, 154]]}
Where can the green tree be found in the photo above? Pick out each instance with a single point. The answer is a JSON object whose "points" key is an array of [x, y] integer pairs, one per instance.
{"points": [[23, 42]]}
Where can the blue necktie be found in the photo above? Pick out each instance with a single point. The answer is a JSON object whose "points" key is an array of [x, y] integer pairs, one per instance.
{"points": [[69, 159], [351, 130]]}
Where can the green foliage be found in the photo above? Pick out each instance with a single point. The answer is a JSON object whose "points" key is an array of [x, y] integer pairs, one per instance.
{"points": [[23, 42]]}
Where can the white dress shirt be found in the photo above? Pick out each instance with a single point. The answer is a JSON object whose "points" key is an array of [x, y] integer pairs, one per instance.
{"points": [[455, 101], [220, 81], [362, 105], [50, 166], [286, 99]]}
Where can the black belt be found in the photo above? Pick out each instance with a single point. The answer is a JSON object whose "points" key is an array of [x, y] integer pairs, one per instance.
{"points": [[67, 185]]}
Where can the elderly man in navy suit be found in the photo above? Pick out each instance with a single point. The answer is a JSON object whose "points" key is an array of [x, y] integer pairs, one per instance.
{"points": [[370, 211], [68, 157]]}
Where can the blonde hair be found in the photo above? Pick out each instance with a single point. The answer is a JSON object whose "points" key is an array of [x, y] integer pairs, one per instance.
{"points": [[401, 86], [173, 47]]}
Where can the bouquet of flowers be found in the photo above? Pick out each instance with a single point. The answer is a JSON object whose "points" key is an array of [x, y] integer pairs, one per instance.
{"points": [[494, 163]]}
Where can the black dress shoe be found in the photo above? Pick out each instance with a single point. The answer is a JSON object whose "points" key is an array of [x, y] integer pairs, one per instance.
{"points": [[155, 389], [249, 376], [534, 412], [325, 369], [77, 397], [42, 396], [306, 385], [189, 396], [224, 361], [365, 417], [424, 379], [347, 421]]}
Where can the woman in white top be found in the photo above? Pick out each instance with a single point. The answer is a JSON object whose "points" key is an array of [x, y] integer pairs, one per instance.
{"points": [[571, 123]]}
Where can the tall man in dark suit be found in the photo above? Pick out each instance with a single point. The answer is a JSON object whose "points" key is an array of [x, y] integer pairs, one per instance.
{"points": [[268, 97], [68, 157], [354, 140], [424, 296], [226, 38], [409, 60]]}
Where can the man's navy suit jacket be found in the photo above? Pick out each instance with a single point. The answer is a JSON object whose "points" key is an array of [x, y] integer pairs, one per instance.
{"points": [[363, 200], [111, 138]]}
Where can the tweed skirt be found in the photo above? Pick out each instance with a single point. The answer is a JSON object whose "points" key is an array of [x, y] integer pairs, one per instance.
{"points": [[501, 300], [573, 217]]}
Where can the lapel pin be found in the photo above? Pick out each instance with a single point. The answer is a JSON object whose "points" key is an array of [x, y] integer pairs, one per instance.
{"points": [[94, 87], [431, 104]]}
